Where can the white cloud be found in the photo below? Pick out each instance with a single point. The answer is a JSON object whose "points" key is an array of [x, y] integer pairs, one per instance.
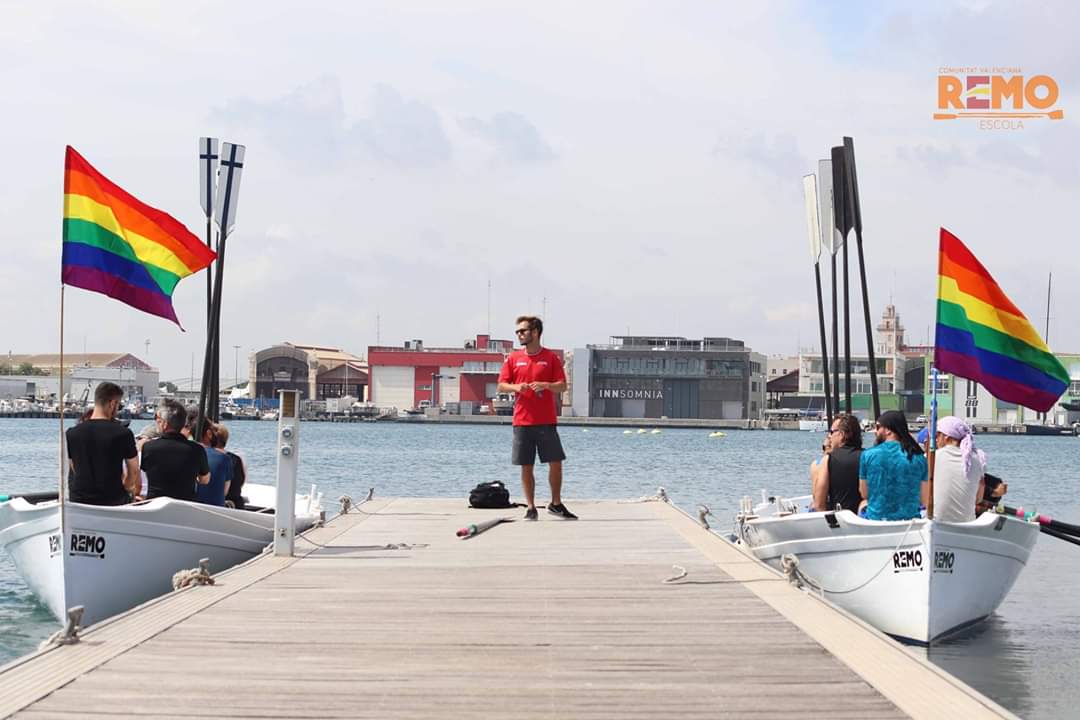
{"points": [[636, 164], [514, 140]]}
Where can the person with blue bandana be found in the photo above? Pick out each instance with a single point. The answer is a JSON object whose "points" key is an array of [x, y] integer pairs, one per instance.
{"points": [[893, 474]]}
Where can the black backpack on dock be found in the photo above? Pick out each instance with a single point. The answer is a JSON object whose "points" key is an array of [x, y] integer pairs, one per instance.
{"points": [[490, 495]]}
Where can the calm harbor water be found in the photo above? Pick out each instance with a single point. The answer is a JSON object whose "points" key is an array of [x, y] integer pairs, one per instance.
{"points": [[1026, 657]]}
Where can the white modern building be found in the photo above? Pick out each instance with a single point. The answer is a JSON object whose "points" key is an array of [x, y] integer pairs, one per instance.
{"points": [[83, 372]]}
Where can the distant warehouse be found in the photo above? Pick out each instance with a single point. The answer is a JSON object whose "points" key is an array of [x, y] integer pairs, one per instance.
{"points": [[652, 377], [413, 375]]}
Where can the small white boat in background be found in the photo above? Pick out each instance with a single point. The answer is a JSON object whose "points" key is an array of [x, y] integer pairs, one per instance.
{"points": [[917, 580], [813, 425], [110, 559]]}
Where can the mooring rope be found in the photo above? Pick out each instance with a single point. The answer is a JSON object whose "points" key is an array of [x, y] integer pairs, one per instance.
{"points": [[660, 496], [193, 576], [69, 634], [680, 573], [349, 505], [388, 546], [789, 562], [231, 516]]}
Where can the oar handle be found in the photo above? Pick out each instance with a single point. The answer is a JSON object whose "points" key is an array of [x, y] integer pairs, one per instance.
{"points": [[1045, 521], [31, 497], [1059, 535]]}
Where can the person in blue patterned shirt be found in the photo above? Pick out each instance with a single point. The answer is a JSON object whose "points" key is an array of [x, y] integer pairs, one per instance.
{"points": [[893, 474]]}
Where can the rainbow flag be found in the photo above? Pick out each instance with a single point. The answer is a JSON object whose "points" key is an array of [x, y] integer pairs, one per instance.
{"points": [[982, 336], [121, 247]]}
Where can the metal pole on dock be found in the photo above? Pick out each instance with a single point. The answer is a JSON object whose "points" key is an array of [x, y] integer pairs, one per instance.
{"points": [[288, 458], [62, 491]]}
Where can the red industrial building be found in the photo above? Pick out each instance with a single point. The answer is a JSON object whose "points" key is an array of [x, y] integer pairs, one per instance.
{"points": [[411, 375]]}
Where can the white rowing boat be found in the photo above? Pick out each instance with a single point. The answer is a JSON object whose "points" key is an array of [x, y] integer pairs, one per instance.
{"points": [[917, 580], [110, 559]]}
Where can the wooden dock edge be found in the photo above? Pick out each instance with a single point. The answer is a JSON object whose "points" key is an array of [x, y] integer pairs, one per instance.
{"points": [[27, 679], [915, 685]]}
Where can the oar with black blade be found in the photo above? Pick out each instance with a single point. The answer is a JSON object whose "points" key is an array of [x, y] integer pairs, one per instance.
{"points": [[813, 228], [842, 223], [208, 167], [1046, 523], [31, 497], [228, 189], [828, 242], [855, 213], [1059, 535], [470, 531]]}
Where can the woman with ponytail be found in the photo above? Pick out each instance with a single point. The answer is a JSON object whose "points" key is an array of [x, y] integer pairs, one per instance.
{"points": [[893, 473]]}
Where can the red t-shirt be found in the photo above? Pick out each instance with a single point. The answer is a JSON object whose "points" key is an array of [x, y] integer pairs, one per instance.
{"points": [[533, 408]]}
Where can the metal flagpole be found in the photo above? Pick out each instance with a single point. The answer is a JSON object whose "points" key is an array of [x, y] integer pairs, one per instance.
{"points": [[813, 229], [852, 197], [932, 434], [932, 437], [62, 495], [1046, 335], [228, 191]]}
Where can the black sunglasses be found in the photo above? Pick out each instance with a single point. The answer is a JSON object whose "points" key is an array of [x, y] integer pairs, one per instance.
{"points": [[522, 331]]}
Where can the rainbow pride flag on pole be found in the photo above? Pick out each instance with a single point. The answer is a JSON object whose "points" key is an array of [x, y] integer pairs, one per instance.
{"points": [[118, 246], [982, 336]]}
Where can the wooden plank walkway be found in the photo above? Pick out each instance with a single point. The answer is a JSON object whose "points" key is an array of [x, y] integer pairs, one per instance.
{"points": [[552, 619]]}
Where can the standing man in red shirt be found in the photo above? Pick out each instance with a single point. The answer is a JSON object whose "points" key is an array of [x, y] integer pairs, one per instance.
{"points": [[535, 375]]}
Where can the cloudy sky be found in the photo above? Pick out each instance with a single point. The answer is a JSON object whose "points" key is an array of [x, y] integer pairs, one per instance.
{"points": [[627, 166]]}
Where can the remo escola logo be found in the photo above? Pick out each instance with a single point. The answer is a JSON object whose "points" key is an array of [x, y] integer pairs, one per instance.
{"points": [[996, 98]]}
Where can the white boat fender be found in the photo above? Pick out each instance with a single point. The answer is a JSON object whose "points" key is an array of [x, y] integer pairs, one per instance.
{"points": [[69, 635], [194, 576]]}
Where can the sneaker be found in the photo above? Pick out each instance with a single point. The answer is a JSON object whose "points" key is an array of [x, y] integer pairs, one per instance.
{"points": [[530, 514], [561, 511]]}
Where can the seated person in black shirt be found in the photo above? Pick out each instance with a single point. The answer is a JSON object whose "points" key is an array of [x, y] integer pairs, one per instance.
{"points": [[239, 472], [172, 463], [102, 455], [837, 483]]}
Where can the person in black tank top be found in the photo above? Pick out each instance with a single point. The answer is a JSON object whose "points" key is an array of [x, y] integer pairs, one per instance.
{"points": [[234, 493], [839, 478]]}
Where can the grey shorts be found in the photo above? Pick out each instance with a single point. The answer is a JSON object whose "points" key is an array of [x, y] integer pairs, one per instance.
{"points": [[529, 440]]}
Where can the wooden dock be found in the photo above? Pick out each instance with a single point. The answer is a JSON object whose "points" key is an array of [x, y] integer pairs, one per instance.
{"points": [[392, 616]]}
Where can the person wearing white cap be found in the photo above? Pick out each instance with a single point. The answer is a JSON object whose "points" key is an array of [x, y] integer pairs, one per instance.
{"points": [[958, 472]]}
